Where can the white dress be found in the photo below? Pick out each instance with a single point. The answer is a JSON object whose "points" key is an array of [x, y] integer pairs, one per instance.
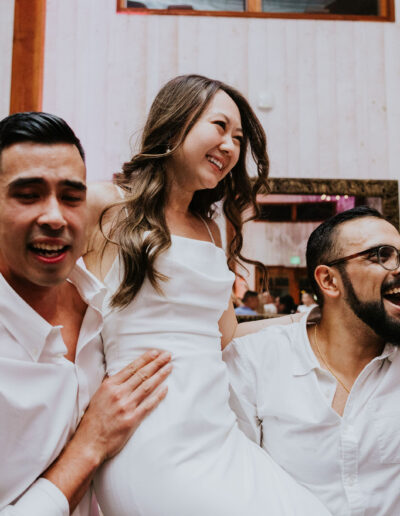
{"points": [[188, 458]]}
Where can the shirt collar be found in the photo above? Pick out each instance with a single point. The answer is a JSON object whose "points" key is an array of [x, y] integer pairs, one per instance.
{"points": [[303, 357], [389, 352], [27, 326], [89, 287]]}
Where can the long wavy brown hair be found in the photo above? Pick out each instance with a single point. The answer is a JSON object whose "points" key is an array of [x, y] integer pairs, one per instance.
{"points": [[140, 230]]}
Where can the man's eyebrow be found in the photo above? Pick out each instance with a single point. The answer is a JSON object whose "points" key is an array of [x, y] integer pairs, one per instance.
{"points": [[78, 185], [28, 181], [25, 181]]}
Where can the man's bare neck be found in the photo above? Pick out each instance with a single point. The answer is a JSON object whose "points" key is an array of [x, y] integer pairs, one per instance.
{"points": [[346, 344], [59, 305], [343, 347]]}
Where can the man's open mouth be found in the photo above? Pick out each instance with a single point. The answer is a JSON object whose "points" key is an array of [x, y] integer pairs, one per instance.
{"points": [[48, 250], [393, 295]]}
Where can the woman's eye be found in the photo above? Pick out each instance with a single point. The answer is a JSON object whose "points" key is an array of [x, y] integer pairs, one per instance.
{"points": [[221, 123], [239, 139]]}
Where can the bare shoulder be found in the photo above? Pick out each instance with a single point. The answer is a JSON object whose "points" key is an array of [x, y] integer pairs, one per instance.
{"points": [[99, 196]]}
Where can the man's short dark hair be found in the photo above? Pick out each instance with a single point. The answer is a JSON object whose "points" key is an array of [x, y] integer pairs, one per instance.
{"points": [[37, 127], [322, 246], [249, 293]]}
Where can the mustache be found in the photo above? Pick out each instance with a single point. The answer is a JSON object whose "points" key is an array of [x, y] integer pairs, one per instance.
{"points": [[389, 285]]}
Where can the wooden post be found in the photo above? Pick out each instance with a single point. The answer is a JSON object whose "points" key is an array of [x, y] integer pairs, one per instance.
{"points": [[28, 55]]}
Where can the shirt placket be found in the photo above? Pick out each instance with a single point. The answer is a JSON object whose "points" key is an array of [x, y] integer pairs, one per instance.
{"points": [[90, 330], [350, 453], [83, 392]]}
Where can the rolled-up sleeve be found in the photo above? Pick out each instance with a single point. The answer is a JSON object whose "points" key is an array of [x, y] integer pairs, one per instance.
{"points": [[243, 388], [43, 498]]}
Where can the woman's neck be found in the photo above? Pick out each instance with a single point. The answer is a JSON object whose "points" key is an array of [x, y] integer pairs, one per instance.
{"points": [[178, 199]]}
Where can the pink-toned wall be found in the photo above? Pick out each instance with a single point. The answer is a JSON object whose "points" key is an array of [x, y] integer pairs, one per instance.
{"points": [[334, 84]]}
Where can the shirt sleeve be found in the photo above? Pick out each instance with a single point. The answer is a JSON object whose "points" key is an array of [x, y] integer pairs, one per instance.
{"points": [[243, 389], [43, 498]]}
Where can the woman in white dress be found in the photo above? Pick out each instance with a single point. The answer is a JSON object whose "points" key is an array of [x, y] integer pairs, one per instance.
{"points": [[170, 289]]}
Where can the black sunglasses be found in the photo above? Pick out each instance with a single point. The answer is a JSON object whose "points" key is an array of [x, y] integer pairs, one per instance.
{"points": [[387, 255]]}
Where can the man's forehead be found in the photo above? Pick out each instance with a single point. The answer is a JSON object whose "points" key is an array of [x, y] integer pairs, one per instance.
{"points": [[365, 232], [54, 162]]}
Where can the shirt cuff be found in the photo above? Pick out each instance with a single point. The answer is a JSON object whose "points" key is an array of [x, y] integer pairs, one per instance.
{"points": [[43, 498]]}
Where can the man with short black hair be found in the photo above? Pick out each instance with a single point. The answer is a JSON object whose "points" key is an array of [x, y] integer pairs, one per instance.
{"points": [[323, 399], [250, 304], [51, 355]]}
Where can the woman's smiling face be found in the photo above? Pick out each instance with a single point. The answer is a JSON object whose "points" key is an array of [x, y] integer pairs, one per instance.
{"points": [[211, 148]]}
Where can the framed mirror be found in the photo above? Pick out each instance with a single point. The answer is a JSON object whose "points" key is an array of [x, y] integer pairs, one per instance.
{"points": [[290, 211], [385, 190]]}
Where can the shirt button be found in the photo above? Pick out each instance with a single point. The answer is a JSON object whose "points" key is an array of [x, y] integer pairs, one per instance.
{"points": [[352, 480]]}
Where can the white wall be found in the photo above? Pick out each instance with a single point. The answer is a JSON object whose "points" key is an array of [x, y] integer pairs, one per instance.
{"points": [[335, 84], [6, 38]]}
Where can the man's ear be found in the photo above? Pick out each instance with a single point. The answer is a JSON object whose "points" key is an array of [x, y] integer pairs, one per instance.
{"points": [[327, 279]]}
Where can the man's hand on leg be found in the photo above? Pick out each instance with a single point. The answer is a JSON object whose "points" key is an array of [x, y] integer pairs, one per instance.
{"points": [[115, 411]]}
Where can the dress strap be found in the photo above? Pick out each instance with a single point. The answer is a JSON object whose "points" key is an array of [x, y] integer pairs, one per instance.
{"points": [[119, 191], [121, 194], [208, 229]]}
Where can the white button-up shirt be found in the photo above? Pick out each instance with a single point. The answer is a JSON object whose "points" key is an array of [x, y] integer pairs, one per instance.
{"points": [[283, 400], [43, 397]]}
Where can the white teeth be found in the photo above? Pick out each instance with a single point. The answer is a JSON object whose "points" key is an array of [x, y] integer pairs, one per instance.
{"points": [[48, 247], [215, 161], [393, 291]]}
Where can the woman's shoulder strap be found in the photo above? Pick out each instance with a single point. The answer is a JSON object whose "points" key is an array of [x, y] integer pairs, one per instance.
{"points": [[208, 229]]}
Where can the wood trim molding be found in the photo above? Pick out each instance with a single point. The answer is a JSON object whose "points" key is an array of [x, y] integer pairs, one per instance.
{"points": [[387, 13], [28, 55]]}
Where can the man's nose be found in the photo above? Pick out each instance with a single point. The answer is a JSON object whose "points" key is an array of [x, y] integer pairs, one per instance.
{"points": [[52, 214]]}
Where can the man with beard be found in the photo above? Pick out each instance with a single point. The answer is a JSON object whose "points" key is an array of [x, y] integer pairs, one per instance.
{"points": [[323, 399]]}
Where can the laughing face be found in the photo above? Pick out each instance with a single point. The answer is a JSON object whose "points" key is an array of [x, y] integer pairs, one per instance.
{"points": [[372, 292], [42, 213], [211, 148]]}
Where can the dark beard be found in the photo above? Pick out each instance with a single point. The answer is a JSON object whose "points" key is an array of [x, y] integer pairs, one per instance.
{"points": [[372, 313]]}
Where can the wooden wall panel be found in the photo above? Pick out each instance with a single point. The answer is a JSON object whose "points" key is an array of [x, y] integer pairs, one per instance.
{"points": [[334, 83], [6, 39], [392, 81], [326, 95]]}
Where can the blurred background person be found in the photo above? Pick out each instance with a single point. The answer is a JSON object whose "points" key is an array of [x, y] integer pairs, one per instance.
{"points": [[285, 304], [268, 303], [250, 304], [307, 302]]}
